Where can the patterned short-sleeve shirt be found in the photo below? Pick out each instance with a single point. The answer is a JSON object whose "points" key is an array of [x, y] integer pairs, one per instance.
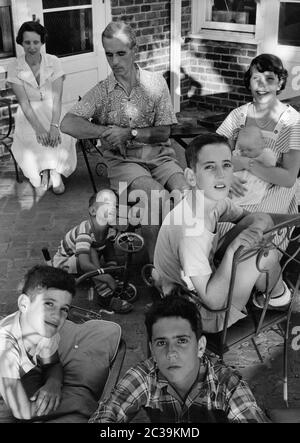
{"points": [[148, 104]]}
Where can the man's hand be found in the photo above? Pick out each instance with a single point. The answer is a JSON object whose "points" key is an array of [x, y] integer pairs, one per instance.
{"points": [[117, 138], [237, 187], [47, 398]]}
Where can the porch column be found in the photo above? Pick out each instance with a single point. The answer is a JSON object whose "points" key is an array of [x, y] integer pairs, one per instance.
{"points": [[175, 53]]}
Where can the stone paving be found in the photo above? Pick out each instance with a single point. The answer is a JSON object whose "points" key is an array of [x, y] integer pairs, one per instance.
{"points": [[31, 219]]}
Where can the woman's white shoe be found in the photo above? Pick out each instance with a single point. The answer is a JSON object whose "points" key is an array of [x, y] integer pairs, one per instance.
{"points": [[58, 186]]}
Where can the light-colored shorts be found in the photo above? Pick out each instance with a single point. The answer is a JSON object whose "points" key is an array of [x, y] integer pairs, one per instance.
{"points": [[158, 162], [68, 263]]}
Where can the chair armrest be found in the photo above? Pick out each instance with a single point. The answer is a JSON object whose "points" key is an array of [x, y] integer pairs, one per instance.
{"points": [[6, 102], [114, 372]]}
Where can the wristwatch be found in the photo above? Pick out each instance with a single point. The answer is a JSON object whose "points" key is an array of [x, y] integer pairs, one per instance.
{"points": [[134, 133]]}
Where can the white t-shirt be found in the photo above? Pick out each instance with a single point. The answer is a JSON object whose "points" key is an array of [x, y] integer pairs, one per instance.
{"points": [[14, 360]]}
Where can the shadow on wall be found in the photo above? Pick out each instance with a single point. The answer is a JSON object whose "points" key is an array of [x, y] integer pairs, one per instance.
{"points": [[189, 86], [218, 71]]}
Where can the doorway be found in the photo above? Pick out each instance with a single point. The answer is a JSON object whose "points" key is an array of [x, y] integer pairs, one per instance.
{"points": [[74, 34]]}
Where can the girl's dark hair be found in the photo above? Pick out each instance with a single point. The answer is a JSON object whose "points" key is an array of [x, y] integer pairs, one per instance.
{"points": [[176, 304], [267, 62], [193, 149], [42, 276], [31, 27]]}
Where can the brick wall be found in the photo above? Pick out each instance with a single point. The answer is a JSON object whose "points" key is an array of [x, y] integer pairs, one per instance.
{"points": [[151, 20], [216, 71]]}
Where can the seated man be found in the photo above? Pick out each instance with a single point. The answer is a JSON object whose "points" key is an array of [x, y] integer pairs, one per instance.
{"points": [[134, 113], [179, 383], [188, 239]]}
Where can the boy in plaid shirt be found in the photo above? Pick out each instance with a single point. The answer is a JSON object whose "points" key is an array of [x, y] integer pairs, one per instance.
{"points": [[179, 383]]}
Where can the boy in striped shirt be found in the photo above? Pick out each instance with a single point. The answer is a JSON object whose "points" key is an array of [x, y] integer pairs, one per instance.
{"points": [[81, 248]]}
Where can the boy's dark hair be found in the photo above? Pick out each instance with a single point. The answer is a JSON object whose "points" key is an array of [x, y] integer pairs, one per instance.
{"points": [[31, 27], [267, 62], [42, 276], [176, 304], [92, 199], [193, 149]]}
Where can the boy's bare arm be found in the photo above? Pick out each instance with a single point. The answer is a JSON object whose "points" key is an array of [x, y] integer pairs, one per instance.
{"points": [[213, 289], [86, 264], [16, 398], [259, 220], [47, 398]]}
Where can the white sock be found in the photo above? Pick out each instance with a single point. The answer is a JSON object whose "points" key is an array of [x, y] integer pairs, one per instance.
{"points": [[55, 178]]}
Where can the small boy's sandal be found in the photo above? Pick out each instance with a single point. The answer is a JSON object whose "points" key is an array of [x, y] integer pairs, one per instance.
{"points": [[279, 303], [120, 306]]}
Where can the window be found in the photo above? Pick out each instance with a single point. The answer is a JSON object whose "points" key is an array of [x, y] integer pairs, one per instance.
{"points": [[231, 16], [233, 11], [289, 24], [6, 30], [70, 26]]}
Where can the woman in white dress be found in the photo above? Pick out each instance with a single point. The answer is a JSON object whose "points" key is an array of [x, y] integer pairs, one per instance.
{"points": [[41, 150]]}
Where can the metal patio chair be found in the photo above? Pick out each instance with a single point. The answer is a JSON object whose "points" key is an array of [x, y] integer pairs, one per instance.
{"points": [[6, 138], [257, 320]]}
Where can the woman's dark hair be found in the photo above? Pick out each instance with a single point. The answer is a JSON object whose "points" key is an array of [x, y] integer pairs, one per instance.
{"points": [[31, 27], [176, 304], [193, 149], [42, 276], [267, 62]]}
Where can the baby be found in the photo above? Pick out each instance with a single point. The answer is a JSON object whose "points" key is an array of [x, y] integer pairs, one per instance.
{"points": [[250, 144]]}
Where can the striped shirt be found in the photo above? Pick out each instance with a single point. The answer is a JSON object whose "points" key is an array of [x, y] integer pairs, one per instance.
{"points": [[284, 137], [79, 240], [218, 391]]}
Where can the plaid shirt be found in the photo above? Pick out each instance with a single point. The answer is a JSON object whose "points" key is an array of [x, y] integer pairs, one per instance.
{"points": [[218, 391]]}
